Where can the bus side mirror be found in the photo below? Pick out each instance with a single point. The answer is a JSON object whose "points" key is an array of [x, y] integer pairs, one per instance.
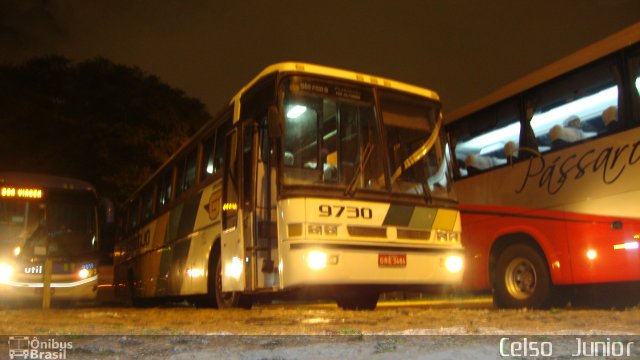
{"points": [[273, 122]]}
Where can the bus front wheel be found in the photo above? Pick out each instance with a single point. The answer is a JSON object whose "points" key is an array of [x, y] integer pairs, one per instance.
{"points": [[522, 279]]}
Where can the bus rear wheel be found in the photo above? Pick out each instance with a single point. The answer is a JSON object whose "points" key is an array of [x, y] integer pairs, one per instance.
{"points": [[522, 279]]}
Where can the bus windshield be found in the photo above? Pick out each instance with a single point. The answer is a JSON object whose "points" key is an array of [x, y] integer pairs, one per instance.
{"points": [[333, 139], [68, 228]]}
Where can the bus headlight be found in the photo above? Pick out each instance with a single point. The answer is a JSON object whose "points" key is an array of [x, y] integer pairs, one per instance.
{"points": [[83, 273], [454, 263], [5, 272], [316, 260], [86, 272]]}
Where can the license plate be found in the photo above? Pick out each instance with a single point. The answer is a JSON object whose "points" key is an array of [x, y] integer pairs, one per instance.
{"points": [[392, 260]]}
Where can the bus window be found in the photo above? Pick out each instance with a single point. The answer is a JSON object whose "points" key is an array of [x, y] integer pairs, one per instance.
{"points": [[301, 145], [488, 139], [634, 66], [579, 106], [147, 203], [208, 156], [165, 188], [187, 171], [359, 135], [134, 214], [218, 163]]}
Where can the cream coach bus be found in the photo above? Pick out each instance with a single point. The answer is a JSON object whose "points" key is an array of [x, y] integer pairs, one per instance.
{"points": [[548, 178], [314, 180], [49, 217]]}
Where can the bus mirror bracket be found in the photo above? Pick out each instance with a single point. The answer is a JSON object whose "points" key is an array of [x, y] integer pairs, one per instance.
{"points": [[273, 120]]}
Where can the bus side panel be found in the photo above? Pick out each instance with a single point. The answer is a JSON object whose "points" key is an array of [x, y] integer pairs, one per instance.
{"points": [[482, 226], [583, 178], [206, 229], [602, 252]]}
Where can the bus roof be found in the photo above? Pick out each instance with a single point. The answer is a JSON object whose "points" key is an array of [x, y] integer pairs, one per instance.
{"points": [[599, 49], [299, 67], [44, 181]]}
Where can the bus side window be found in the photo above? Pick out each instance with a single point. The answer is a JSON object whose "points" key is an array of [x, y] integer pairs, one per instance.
{"points": [[218, 164], [187, 171], [165, 188], [134, 214], [147, 203], [487, 139], [634, 83], [208, 156], [573, 108]]}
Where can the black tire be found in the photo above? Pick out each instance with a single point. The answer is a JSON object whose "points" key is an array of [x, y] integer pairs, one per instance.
{"points": [[522, 279], [366, 301], [225, 300]]}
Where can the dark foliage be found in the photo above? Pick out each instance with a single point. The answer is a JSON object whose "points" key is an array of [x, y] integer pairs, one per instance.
{"points": [[96, 120]]}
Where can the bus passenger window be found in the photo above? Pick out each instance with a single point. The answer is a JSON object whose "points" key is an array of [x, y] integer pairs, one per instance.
{"points": [[134, 214], [218, 163], [487, 139], [578, 107], [207, 158], [187, 172], [147, 204], [165, 188]]}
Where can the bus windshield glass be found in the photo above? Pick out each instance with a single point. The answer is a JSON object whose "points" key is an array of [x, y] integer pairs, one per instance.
{"points": [[333, 139], [67, 227]]}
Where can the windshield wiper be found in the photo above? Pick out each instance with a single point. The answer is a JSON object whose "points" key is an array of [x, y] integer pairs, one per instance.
{"points": [[366, 155], [417, 155]]}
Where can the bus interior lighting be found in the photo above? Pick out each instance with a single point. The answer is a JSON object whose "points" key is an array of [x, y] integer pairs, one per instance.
{"points": [[585, 108], [296, 111], [592, 254], [17, 251]]}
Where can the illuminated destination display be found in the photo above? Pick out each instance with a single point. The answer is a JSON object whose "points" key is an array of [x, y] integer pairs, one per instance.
{"points": [[21, 193]]}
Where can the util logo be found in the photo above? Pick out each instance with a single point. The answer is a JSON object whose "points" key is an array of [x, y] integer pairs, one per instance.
{"points": [[37, 269]]}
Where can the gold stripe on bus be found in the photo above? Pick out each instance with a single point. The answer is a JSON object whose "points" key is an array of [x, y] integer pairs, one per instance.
{"points": [[445, 219]]}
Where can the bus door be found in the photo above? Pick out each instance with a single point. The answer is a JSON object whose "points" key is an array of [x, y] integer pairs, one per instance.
{"points": [[232, 244], [247, 249], [258, 208], [265, 249]]}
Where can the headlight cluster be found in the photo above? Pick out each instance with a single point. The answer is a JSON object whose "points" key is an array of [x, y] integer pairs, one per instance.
{"points": [[87, 271], [447, 236], [318, 229], [6, 271]]}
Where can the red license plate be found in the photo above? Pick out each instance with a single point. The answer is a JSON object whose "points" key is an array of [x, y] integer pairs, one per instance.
{"points": [[392, 260]]}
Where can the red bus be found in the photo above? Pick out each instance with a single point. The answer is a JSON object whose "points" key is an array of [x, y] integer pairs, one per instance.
{"points": [[547, 172]]}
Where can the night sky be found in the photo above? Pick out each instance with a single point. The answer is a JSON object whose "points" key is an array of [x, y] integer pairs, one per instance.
{"points": [[462, 49]]}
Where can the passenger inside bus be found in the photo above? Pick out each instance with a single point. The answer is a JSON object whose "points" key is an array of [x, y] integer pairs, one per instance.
{"points": [[478, 163], [610, 119], [569, 133]]}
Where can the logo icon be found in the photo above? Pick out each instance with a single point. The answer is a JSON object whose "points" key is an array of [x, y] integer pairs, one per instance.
{"points": [[19, 347], [25, 347]]}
